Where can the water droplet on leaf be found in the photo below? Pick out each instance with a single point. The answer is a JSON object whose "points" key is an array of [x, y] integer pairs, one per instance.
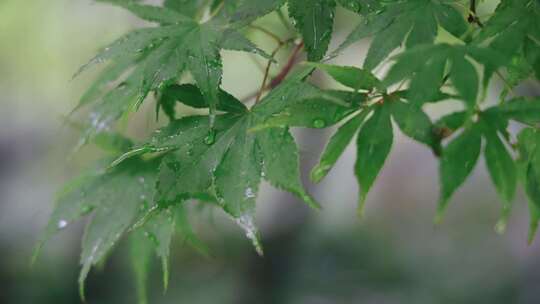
{"points": [[248, 193], [210, 139], [152, 238], [246, 223], [86, 209], [62, 224], [319, 172], [319, 123]]}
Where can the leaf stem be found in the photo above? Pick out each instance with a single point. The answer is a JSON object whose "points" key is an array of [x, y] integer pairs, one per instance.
{"points": [[291, 62], [288, 67], [266, 73]]}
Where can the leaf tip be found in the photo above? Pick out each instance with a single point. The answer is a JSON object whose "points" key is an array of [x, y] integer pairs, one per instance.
{"points": [[81, 288], [439, 216], [311, 201], [318, 173], [500, 227], [360, 210], [165, 267], [35, 253], [441, 210]]}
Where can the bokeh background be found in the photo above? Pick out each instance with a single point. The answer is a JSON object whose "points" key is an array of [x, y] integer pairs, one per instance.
{"points": [[393, 255]]}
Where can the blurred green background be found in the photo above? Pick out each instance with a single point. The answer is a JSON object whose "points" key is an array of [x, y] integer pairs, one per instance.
{"points": [[393, 255]]}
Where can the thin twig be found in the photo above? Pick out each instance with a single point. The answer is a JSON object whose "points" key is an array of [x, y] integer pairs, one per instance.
{"points": [[255, 61], [266, 73], [288, 67], [268, 33], [505, 81], [291, 62]]}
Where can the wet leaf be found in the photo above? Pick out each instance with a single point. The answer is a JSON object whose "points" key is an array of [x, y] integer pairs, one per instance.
{"points": [[321, 112], [141, 250], [529, 143], [414, 123], [315, 21], [458, 160], [166, 52], [337, 145], [373, 143], [137, 180], [351, 77], [502, 170], [415, 22], [281, 165]]}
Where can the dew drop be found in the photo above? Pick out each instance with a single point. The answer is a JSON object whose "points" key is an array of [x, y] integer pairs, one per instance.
{"points": [[210, 139], [248, 193], [319, 172], [246, 223], [62, 224], [319, 123], [152, 238], [86, 209]]}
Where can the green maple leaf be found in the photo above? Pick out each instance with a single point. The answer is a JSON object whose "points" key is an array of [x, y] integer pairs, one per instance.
{"points": [[313, 19], [415, 22], [502, 169], [155, 237], [529, 143], [160, 56], [458, 160], [429, 66], [97, 193], [514, 30], [461, 154], [186, 7], [229, 160], [375, 135]]}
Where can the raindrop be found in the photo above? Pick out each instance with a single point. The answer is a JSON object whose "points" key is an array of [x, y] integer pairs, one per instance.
{"points": [[210, 139], [246, 223], [320, 171], [62, 224], [248, 193], [152, 238], [86, 209], [319, 123]]}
